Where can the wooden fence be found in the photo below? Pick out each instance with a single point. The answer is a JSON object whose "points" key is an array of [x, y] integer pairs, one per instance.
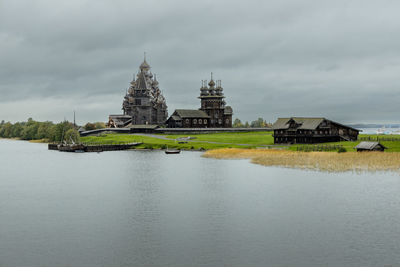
{"points": [[380, 138]]}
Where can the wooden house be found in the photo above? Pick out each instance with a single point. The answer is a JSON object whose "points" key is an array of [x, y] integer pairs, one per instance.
{"points": [[188, 118], [299, 130], [370, 146]]}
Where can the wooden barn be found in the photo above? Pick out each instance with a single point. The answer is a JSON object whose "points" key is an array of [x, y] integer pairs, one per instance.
{"points": [[370, 146], [299, 130]]}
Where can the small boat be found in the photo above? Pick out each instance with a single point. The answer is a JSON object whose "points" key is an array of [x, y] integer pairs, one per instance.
{"points": [[172, 151], [71, 148]]}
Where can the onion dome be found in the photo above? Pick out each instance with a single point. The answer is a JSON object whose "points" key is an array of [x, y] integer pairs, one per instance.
{"points": [[144, 66], [203, 88], [155, 82], [211, 83], [219, 88]]}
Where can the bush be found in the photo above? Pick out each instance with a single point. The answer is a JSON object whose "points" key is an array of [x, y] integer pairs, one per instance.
{"points": [[342, 150], [72, 135]]}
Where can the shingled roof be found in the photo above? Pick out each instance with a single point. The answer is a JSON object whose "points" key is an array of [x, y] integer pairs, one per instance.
{"points": [[305, 123], [369, 145], [141, 82], [191, 113]]}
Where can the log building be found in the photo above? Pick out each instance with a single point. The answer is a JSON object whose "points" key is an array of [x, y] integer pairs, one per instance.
{"points": [[143, 104], [188, 118], [213, 112], [297, 130]]}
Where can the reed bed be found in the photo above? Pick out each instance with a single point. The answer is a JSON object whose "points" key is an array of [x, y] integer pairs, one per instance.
{"points": [[322, 161]]}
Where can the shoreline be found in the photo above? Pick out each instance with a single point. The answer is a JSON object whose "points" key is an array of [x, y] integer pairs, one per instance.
{"points": [[319, 161]]}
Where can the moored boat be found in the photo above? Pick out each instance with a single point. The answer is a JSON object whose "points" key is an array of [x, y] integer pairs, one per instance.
{"points": [[172, 151]]}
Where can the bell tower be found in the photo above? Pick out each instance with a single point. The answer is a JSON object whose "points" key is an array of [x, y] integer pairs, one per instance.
{"points": [[213, 103]]}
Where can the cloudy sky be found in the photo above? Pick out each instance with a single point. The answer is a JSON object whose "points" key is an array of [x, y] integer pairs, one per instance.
{"points": [[339, 59]]}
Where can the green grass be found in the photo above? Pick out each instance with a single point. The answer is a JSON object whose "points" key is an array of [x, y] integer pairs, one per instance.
{"points": [[251, 138], [234, 140], [231, 140]]}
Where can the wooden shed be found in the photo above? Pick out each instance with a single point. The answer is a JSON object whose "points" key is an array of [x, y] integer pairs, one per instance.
{"points": [[370, 146]]}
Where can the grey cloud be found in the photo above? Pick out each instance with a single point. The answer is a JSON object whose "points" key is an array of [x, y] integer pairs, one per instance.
{"points": [[337, 59]]}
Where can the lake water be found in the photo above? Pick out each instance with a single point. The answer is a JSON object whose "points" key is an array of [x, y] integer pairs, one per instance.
{"points": [[132, 208]]}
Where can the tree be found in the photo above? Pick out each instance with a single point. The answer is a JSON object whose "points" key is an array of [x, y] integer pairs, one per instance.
{"points": [[6, 130], [100, 125], [246, 125], [259, 123], [30, 130], [44, 130], [17, 129], [57, 131], [90, 126], [72, 135], [237, 123]]}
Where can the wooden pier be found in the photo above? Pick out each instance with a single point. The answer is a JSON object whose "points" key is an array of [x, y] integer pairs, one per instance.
{"points": [[96, 147]]}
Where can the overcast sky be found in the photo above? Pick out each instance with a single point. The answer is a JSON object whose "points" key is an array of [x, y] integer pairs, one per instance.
{"points": [[337, 59]]}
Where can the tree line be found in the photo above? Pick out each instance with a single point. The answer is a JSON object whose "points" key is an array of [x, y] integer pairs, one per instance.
{"points": [[259, 123], [36, 130], [55, 132]]}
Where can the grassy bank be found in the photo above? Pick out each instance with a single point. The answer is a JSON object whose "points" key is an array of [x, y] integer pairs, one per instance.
{"points": [[201, 141], [220, 140], [323, 161]]}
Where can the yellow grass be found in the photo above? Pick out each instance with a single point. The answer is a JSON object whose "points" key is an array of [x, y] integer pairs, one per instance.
{"points": [[39, 141], [323, 161]]}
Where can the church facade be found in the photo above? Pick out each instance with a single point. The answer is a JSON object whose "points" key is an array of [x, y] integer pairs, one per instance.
{"points": [[213, 103], [144, 101], [213, 112]]}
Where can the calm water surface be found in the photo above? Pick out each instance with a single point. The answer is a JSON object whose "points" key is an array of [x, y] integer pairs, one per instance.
{"points": [[131, 208]]}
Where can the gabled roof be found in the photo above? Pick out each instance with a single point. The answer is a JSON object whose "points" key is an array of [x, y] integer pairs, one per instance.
{"points": [[305, 123], [176, 118], [369, 145], [191, 113]]}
